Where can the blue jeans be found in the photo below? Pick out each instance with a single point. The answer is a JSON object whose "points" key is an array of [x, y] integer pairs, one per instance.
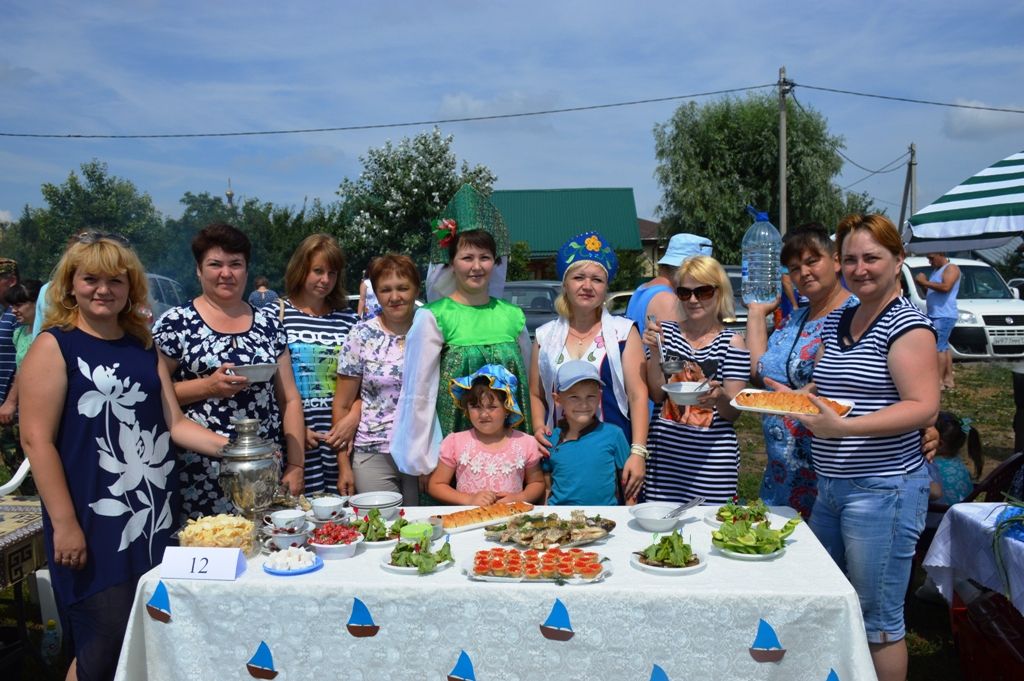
{"points": [[870, 527]]}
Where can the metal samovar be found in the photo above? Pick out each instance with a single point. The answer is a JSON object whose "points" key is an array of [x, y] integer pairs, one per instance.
{"points": [[250, 471]]}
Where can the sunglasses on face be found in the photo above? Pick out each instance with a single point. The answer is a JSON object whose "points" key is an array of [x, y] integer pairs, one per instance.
{"points": [[92, 237], [701, 292]]}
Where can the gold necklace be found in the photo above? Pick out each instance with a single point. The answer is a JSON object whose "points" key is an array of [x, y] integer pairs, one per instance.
{"points": [[581, 338]]}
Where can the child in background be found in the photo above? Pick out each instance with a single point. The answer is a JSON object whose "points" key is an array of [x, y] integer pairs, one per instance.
{"points": [[951, 482], [491, 462], [587, 455]]}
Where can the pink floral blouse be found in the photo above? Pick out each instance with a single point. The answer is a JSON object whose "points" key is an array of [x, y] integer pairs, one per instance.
{"points": [[479, 468]]}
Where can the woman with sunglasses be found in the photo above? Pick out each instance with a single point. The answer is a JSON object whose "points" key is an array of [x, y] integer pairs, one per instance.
{"points": [[98, 414], [200, 341], [694, 450], [787, 358]]}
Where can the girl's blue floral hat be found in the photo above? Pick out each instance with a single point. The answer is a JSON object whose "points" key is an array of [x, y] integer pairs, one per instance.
{"points": [[499, 379], [587, 246]]}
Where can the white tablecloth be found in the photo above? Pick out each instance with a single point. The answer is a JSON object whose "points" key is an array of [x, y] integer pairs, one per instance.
{"points": [[696, 626], [962, 549]]}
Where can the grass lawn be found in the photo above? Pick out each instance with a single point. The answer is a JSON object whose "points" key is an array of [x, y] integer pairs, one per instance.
{"points": [[984, 393]]}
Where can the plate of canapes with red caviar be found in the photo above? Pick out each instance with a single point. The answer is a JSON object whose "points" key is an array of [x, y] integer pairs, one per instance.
{"points": [[553, 565]]}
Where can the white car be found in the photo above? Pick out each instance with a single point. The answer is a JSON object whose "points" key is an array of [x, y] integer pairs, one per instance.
{"points": [[990, 322]]}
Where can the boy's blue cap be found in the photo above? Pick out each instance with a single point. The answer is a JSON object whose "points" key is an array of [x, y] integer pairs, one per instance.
{"points": [[571, 373]]}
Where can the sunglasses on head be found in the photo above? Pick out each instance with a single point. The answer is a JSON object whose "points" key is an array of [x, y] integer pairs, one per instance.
{"points": [[93, 236], [701, 292]]}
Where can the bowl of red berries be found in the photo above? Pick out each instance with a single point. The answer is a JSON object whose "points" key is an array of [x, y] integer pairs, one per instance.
{"points": [[333, 540]]}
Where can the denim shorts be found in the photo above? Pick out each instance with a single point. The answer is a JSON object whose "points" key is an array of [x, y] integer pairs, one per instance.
{"points": [[870, 527], [943, 327]]}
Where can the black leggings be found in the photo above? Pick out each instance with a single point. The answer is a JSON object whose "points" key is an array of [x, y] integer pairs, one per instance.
{"points": [[97, 626]]}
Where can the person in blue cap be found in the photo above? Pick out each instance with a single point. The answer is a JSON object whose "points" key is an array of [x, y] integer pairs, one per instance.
{"points": [[491, 461], [587, 455], [657, 297]]}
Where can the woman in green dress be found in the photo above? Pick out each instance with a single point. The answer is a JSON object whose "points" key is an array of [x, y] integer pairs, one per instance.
{"points": [[465, 326]]}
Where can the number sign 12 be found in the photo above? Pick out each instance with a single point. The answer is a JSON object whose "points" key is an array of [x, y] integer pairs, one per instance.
{"points": [[196, 562]]}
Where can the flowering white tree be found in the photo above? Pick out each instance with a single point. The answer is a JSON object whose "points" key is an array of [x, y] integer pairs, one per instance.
{"points": [[402, 188]]}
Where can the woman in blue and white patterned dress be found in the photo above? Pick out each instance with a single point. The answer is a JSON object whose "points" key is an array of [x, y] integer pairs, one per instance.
{"points": [[787, 357], [200, 341], [98, 413]]}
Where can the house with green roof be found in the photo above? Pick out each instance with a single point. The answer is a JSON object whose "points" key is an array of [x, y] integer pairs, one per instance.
{"points": [[546, 218]]}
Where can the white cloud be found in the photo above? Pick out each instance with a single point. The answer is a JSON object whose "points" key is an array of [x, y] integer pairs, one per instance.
{"points": [[6, 216], [977, 124]]}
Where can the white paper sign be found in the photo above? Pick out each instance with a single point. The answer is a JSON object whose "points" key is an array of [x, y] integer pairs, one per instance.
{"points": [[198, 562]]}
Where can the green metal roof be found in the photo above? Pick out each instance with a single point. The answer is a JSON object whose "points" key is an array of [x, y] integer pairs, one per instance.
{"points": [[546, 218]]}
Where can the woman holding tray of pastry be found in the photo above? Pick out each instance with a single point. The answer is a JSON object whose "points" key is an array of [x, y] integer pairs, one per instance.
{"points": [[694, 450], [872, 481], [787, 358], [465, 326]]}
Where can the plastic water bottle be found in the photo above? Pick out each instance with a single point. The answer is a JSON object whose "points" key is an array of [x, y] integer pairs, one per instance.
{"points": [[50, 645], [762, 245]]}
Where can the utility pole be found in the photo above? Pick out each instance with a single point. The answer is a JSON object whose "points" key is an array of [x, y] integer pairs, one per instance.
{"points": [[785, 87], [909, 187]]}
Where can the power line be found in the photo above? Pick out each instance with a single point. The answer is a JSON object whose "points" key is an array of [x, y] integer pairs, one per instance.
{"points": [[378, 126], [884, 169], [839, 151], [910, 99]]}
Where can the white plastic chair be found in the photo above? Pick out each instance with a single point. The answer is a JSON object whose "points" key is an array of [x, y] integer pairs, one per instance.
{"points": [[14, 483]]}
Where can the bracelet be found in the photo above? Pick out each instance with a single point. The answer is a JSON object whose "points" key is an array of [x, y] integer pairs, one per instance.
{"points": [[639, 450]]}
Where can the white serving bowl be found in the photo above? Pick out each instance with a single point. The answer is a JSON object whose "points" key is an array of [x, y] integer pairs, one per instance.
{"points": [[684, 393], [288, 519], [336, 551], [282, 539], [387, 503], [256, 373], [328, 507], [651, 516]]}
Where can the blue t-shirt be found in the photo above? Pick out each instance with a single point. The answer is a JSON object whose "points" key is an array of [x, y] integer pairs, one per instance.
{"points": [[583, 472]]}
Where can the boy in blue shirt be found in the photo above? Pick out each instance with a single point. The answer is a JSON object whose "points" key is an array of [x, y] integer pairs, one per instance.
{"points": [[587, 455]]}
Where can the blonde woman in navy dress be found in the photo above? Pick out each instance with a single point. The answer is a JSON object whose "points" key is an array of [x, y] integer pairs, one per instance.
{"points": [[98, 414], [694, 450], [872, 481]]}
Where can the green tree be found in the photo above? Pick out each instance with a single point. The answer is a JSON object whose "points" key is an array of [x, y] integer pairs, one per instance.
{"points": [[631, 270], [96, 200], [715, 159], [519, 262], [402, 188]]}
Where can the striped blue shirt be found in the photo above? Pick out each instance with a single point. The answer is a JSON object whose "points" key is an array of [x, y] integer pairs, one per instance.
{"points": [[8, 322], [859, 371]]}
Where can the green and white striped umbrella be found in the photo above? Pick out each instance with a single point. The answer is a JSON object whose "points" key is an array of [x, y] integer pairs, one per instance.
{"points": [[984, 211]]}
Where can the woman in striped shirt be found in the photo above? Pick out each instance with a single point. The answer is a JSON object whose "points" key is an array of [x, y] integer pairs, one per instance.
{"points": [[694, 450], [872, 482], [316, 320]]}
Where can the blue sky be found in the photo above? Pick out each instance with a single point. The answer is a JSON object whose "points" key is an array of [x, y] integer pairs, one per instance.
{"points": [[191, 67]]}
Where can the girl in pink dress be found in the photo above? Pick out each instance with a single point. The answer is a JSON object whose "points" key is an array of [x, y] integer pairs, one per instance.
{"points": [[490, 462]]}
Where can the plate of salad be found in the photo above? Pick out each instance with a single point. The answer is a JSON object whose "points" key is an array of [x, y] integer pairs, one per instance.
{"points": [[669, 555], [746, 540], [376, 532], [756, 511], [414, 559]]}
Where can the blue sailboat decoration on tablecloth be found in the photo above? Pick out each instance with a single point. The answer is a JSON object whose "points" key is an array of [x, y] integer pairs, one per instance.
{"points": [[261, 664], [557, 627], [658, 674], [766, 647], [360, 623], [832, 676], [159, 606], [463, 669]]}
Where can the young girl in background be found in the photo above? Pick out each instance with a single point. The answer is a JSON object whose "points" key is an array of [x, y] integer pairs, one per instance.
{"points": [[491, 462], [951, 482]]}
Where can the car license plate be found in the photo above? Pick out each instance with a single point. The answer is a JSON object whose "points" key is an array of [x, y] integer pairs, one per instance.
{"points": [[1007, 340]]}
